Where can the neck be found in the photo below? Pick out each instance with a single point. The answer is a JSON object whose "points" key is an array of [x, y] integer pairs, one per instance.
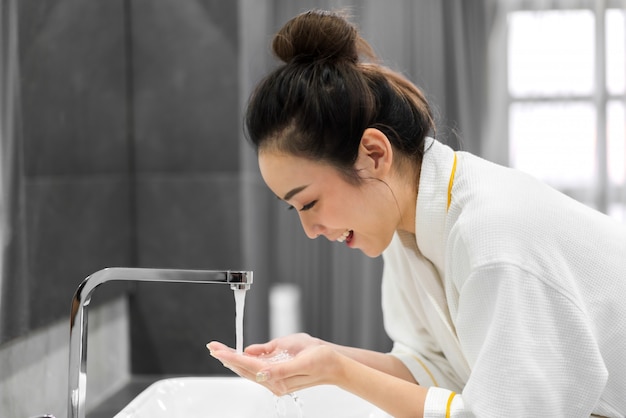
{"points": [[407, 199]]}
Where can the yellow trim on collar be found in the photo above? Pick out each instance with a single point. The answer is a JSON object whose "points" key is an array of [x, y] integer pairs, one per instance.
{"points": [[452, 395], [451, 182]]}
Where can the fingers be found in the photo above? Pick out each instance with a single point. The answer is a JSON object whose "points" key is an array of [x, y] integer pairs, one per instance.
{"points": [[279, 384], [217, 346], [260, 349], [272, 366], [279, 377], [244, 365]]}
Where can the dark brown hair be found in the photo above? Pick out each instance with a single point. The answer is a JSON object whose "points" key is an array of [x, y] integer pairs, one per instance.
{"points": [[328, 91]]}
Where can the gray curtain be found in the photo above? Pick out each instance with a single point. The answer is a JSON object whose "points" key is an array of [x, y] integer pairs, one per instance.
{"points": [[13, 288], [441, 46], [467, 27]]}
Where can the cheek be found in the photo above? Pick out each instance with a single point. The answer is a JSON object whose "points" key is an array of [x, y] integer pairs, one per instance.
{"points": [[379, 224], [339, 209], [361, 210]]}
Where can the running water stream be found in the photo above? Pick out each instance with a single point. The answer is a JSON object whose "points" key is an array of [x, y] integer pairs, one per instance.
{"points": [[286, 406], [240, 302]]}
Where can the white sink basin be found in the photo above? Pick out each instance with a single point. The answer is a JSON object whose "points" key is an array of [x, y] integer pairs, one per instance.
{"points": [[225, 397]]}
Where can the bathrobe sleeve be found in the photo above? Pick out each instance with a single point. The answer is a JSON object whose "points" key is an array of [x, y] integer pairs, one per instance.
{"points": [[532, 348]]}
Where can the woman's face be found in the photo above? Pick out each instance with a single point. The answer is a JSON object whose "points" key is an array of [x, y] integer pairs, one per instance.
{"points": [[364, 216]]}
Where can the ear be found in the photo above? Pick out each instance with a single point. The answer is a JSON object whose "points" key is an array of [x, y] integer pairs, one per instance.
{"points": [[375, 153]]}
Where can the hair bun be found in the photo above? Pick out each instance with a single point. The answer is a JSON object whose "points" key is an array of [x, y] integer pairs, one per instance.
{"points": [[317, 35]]}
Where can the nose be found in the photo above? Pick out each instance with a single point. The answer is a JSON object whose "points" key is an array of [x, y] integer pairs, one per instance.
{"points": [[311, 229]]}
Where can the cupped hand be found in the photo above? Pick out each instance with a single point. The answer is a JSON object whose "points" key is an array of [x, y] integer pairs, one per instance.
{"points": [[285, 364], [244, 365], [293, 344]]}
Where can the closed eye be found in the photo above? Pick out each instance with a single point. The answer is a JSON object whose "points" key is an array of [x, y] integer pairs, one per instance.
{"points": [[305, 207], [308, 206]]}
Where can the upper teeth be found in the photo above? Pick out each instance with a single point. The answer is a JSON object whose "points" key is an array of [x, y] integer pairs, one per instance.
{"points": [[343, 236]]}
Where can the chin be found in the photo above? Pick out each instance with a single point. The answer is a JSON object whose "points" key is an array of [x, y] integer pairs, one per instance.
{"points": [[374, 247], [372, 255], [371, 252]]}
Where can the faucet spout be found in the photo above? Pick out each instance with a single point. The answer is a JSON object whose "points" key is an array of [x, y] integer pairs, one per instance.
{"points": [[237, 280]]}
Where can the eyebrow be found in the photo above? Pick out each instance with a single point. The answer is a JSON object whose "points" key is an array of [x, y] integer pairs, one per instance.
{"points": [[294, 192]]}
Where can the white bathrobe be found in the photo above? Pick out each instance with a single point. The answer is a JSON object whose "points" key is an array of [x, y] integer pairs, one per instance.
{"points": [[511, 301]]}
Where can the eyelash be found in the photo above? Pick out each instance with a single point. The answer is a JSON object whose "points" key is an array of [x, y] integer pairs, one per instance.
{"points": [[305, 207]]}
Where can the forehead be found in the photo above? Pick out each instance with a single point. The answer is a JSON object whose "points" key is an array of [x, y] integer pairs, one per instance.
{"points": [[283, 172]]}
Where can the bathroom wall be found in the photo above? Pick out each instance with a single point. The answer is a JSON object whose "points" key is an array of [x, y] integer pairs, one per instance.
{"points": [[73, 202], [186, 131], [74, 148], [129, 145]]}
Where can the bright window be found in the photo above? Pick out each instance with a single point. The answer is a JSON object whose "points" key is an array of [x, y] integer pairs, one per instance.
{"points": [[551, 53], [566, 96]]}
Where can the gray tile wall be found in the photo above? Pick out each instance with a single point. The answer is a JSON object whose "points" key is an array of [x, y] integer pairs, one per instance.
{"points": [[130, 151], [186, 130], [74, 148], [188, 221]]}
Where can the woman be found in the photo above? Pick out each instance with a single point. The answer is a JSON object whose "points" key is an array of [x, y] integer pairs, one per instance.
{"points": [[503, 297]]}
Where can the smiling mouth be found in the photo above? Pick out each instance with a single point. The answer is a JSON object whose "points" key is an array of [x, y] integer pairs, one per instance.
{"points": [[346, 236]]}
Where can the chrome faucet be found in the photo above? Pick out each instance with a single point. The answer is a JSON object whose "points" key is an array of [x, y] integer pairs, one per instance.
{"points": [[78, 318]]}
